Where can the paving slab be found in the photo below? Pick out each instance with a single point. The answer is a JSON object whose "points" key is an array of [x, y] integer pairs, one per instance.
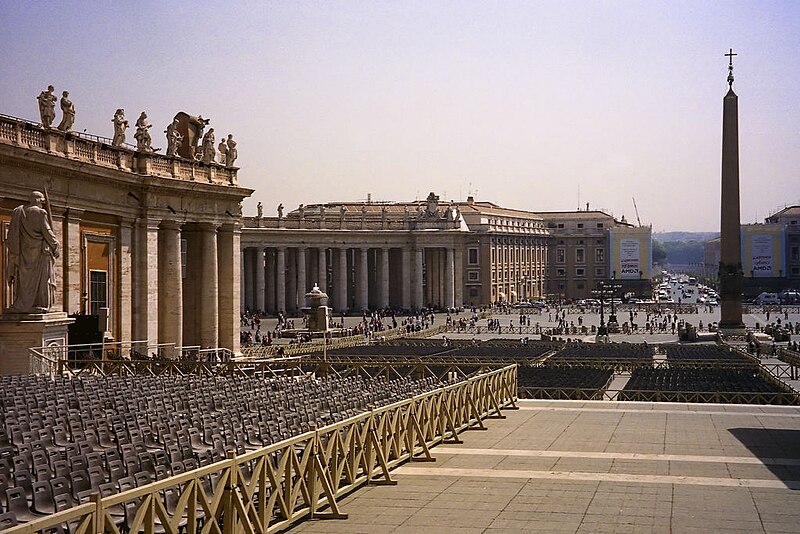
{"points": [[574, 466]]}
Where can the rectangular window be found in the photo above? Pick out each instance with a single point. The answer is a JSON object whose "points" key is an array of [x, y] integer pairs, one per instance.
{"points": [[473, 276], [472, 256], [580, 225], [580, 272], [561, 255], [599, 255], [560, 225], [473, 292], [795, 253], [580, 285], [561, 272], [98, 291], [600, 273], [580, 256], [599, 225]]}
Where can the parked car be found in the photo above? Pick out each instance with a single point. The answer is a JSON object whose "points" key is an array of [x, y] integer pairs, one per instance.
{"points": [[789, 296], [768, 298]]}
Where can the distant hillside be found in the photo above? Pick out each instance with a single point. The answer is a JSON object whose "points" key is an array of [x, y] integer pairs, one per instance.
{"points": [[680, 248], [684, 237]]}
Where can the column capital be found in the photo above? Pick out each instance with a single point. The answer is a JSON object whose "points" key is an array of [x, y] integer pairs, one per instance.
{"points": [[170, 224], [208, 226]]}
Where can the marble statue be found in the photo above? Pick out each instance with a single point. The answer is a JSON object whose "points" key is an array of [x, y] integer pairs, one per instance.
{"points": [[222, 148], [260, 209], [47, 106], [174, 138], [280, 211], [68, 113], [232, 152], [32, 250], [120, 125], [208, 146], [301, 211], [142, 136]]}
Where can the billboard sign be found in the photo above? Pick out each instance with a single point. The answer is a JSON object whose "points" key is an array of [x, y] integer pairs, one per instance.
{"points": [[629, 262], [762, 260]]}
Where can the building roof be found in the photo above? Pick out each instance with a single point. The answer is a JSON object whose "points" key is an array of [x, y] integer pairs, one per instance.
{"points": [[790, 211]]}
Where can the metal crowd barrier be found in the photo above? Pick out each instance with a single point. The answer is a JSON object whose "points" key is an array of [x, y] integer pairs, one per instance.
{"points": [[272, 488]]}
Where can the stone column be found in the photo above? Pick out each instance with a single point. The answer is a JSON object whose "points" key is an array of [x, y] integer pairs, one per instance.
{"points": [[269, 260], [228, 246], [406, 267], [418, 298], [248, 278], [74, 301], [260, 287], [145, 282], [302, 284], [341, 281], [449, 279], [291, 279], [362, 302], [243, 278], [209, 287], [124, 315], [458, 258], [384, 278], [170, 285], [322, 268], [280, 285]]}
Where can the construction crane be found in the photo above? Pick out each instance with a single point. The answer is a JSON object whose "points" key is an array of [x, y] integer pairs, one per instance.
{"points": [[638, 220]]}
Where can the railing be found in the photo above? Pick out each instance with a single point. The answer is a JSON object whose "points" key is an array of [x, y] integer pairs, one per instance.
{"points": [[272, 488], [707, 397], [99, 151], [318, 345]]}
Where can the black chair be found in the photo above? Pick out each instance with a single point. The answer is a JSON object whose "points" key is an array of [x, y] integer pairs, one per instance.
{"points": [[43, 498], [79, 482], [8, 520], [18, 505]]}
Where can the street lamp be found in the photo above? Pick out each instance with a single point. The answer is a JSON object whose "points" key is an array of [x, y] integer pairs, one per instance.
{"points": [[607, 290]]}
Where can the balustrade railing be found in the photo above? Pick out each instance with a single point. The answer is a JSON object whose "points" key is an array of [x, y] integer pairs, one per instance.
{"points": [[99, 151], [272, 488]]}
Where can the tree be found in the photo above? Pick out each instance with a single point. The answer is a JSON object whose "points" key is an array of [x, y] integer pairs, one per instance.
{"points": [[659, 253]]}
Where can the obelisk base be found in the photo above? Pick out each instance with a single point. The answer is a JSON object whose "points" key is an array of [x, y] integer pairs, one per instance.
{"points": [[19, 332]]}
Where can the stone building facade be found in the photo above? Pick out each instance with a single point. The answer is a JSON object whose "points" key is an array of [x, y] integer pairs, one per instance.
{"points": [[154, 240], [426, 254], [581, 253], [790, 218], [363, 255]]}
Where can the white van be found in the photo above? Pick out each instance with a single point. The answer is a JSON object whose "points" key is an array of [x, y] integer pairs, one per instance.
{"points": [[768, 298]]}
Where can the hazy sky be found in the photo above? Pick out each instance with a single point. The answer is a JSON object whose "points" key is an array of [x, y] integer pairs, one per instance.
{"points": [[532, 105]]}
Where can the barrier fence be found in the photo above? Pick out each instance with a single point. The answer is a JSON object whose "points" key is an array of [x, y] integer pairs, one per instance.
{"points": [[332, 343], [272, 488]]}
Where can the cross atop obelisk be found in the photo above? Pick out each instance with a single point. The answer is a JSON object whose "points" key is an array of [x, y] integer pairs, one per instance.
{"points": [[730, 67]]}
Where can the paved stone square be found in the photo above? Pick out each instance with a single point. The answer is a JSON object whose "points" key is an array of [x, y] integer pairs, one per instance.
{"points": [[573, 466]]}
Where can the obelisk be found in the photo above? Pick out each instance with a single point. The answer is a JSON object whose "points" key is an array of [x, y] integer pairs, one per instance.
{"points": [[730, 265]]}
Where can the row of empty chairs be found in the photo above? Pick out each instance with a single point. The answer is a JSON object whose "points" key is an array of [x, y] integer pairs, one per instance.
{"points": [[727, 382], [63, 439]]}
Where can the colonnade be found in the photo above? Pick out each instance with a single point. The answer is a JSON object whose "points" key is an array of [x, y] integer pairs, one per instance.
{"points": [[355, 278], [185, 283]]}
